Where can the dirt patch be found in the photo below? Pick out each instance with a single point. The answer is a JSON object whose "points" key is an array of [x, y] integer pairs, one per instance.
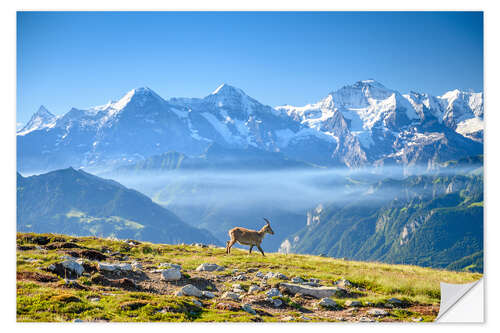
{"points": [[35, 276], [62, 245], [123, 283]]}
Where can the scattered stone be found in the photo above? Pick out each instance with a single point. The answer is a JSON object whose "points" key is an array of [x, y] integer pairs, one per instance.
{"points": [[304, 318], [169, 265], [277, 302], [136, 266], [281, 276], [327, 303], [378, 312], [417, 319], [171, 274], [198, 303], [365, 320], [340, 319], [288, 318], [231, 295], [241, 277], [208, 294], [317, 292], [236, 286], [274, 292], [207, 267], [114, 267], [395, 301], [343, 283], [253, 288], [259, 275], [297, 279], [190, 290], [353, 303], [248, 308], [269, 275], [227, 306], [77, 320], [94, 299]]}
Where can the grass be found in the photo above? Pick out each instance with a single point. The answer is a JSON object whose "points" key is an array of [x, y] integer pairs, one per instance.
{"points": [[54, 302]]}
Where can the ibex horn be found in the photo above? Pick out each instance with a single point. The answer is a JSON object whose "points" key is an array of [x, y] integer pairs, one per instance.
{"points": [[267, 221]]}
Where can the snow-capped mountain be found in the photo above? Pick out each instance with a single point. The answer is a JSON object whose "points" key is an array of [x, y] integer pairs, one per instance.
{"points": [[360, 124], [375, 124], [39, 120]]}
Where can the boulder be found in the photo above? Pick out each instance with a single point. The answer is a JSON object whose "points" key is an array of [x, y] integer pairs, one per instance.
{"points": [[253, 288], [259, 275], [190, 290], [231, 295], [136, 266], [395, 301], [317, 292], [114, 267], [377, 312], [208, 294], [273, 293], [297, 279], [277, 302], [171, 274], [248, 308], [198, 303], [73, 266], [207, 267], [327, 303], [352, 303]]}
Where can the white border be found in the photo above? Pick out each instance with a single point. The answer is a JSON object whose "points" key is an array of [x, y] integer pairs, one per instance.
{"points": [[7, 139]]}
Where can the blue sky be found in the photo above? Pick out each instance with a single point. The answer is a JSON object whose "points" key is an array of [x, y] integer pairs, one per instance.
{"points": [[80, 60]]}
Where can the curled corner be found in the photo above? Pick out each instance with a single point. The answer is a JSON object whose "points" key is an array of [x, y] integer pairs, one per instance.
{"points": [[451, 294]]}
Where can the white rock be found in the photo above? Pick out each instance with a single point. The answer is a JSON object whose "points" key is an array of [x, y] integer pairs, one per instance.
{"points": [[288, 318], [318, 292], [190, 290], [207, 267], [353, 303], [231, 295], [73, 266], [273, 292], [377, 312], [327, 303], [366, 320], [136, 265], [248, 308], [124, 267], [171, 274], [277, 302], [305, 318], [269, 275], [417, 319], [208, 294], [253, 288], [236, 286], [259, 275], [297, 279]]}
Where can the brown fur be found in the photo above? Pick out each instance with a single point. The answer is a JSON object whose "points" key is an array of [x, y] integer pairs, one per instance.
{"points": [[248, 237]]}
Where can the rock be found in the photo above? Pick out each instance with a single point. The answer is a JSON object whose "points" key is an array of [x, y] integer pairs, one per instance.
{"points": [[277, 302], [207, 267], [327, 303], [169, 265], [343, 283], [313, 280], [190, 290], [77, 320], [248, 308], [241, 277], [352, 303], [136, 266], [94, 299], [236, 286], [253, 288], [273, 292], [179, 293], [378, 312], [395, 301], [231, 295], [317, 292], [114, 267], [417, 319], [297, 279], [269, 275], [207, 294], [288, 318], [365, 320], [73, 266], [305, 318], [198, 303], [281, 276], [259, 275], [171, 274]]}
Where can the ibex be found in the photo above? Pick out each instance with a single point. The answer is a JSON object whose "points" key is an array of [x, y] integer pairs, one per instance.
{"points": [[248, 237]]}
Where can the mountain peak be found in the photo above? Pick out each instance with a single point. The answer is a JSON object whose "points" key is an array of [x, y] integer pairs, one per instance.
{"points": [[40, 119], [226, 89], [369, 83], [140, 94], [42, 111]]}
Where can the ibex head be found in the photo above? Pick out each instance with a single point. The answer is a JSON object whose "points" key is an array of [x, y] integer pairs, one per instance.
{"points": [[267, 227]]}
